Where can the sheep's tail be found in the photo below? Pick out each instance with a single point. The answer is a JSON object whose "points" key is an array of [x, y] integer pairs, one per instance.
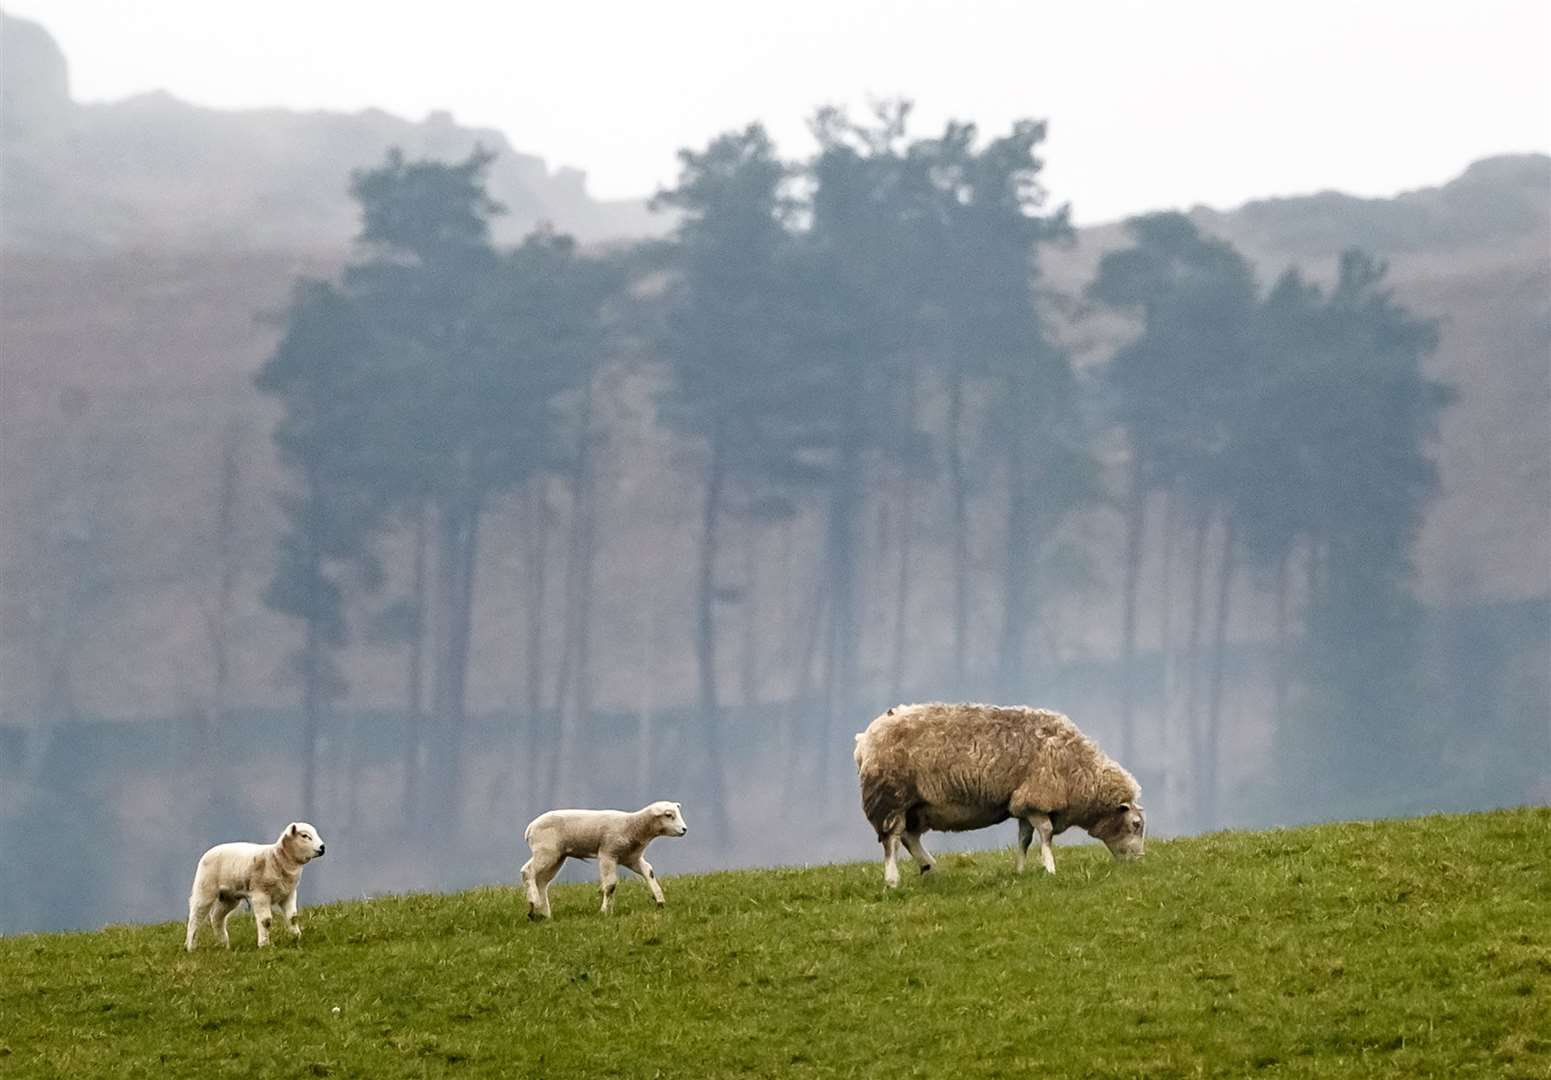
{"points": [[884, 801]]}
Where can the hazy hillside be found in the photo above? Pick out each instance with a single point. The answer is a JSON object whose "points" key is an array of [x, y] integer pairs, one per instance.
{"points": [[144, 239], [1355, 949], [153, 171], [1474, 253]]}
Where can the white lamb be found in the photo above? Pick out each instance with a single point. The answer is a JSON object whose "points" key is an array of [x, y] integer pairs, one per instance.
{"points": [[613, 837], [265, 875]]}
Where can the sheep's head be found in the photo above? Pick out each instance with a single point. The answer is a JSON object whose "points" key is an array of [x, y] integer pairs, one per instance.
{"points": [[667, 818], [1123, 830], [301, 841]]}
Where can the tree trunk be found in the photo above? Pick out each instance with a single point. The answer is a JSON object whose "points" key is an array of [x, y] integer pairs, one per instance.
{"points": [[456, 556], [905, 526], [586, 541], [748, 672], [1193, 725], [226, 564], [1166, 709], [311, 721], [312, 659], [414, 704], [1136, 524], [1219, 658], [840, 676], [802, 702], [646, 777], [463, 628], [538, 560], [569, 692], [705, 638], [1021, 550], [435, 796], [1281, 663], [959, 526]]}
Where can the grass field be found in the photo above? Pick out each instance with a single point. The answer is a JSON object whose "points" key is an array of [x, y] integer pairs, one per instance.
{"points": [[1398, 948]]}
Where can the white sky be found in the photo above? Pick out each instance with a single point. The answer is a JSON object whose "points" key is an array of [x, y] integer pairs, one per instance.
{"points": [[1150, 104]]}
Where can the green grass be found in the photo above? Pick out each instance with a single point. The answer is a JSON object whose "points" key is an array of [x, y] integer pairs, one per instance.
{"points": [[1398, 948]]}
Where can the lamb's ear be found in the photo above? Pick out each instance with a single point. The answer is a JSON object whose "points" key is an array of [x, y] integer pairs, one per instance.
{"points": [[293, 828]]}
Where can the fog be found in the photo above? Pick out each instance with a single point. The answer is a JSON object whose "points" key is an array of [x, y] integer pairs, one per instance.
{"points": [[368, 472]]}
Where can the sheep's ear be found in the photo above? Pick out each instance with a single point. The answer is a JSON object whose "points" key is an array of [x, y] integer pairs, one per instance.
{"points": [[293, 828]]}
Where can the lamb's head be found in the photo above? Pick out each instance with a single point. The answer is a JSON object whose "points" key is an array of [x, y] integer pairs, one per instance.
{"points": [[301, 841], [1123, 830], [667, 819]]}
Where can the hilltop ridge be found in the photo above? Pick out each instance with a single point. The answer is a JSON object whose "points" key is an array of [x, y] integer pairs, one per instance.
{"points": [[154, 171]]}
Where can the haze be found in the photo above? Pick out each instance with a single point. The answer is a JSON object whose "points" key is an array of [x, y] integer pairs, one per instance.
{"points": [[352, 476], [1151, 105]]}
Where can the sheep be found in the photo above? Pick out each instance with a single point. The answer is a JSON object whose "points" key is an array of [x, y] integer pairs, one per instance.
{"points": [[262, 874], [960, 767], [613, 837]]}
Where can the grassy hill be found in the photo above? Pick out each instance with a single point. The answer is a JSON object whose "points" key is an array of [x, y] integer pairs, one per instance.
{"points": [[1398, 948]]}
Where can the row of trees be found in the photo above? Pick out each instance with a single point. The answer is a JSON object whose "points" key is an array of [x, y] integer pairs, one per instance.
{"points": [[862, 337]]}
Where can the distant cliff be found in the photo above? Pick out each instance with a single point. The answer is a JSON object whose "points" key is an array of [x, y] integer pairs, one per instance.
{"points": [[155, 171]]}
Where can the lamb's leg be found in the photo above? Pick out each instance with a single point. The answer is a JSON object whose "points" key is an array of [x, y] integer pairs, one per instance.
{"points": [[261, 915], [919, 853], [527, 886], [197, 906], [1025, 838], [890, 865], [644, 868], [537, 873], [220, 915], [289, 907], [607, 881]]}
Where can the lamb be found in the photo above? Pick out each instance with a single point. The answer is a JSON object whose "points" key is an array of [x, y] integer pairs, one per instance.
{"points": [[264, 875], [960, 767], [613, 837]]}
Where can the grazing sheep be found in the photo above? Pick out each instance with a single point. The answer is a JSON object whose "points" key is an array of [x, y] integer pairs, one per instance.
{"points": [[613, 837], [262, 874], [959, 767]]}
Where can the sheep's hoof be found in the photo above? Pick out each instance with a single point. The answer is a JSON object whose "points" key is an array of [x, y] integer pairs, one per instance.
{"points": [[535, 916], [928, 868], [661, 905]]}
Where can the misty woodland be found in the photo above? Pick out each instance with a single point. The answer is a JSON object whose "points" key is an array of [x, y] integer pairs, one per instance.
{"points": [[499, 525]]}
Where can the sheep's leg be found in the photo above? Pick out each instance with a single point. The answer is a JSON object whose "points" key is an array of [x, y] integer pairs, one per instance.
{"points": [[607, 881], [919, 853], [537, 873], [220, 915], [890, 865], [262, 915], [644, 868], [1039, 823], [197, 906], [1025, 838]]}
